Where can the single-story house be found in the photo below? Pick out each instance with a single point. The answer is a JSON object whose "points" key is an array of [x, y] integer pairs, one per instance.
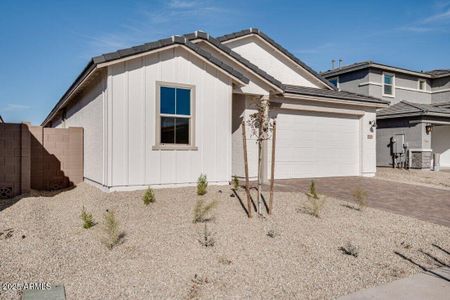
{"points": [[164, 112]]}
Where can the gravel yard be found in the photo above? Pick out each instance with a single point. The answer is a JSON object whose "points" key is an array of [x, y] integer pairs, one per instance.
{"points": [[161, 256], [440, 180]]}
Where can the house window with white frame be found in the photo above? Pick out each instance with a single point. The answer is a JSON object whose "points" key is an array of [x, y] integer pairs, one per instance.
{"points": [[388, 84], [422, 85], [175, 116], [334, 81]]}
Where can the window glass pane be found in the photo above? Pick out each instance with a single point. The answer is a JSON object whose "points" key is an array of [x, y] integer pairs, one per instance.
{"points": [[167, 130], [182, 131], [421, 85], [183, 102], [167, 100], [387, 79], [388, 89]]}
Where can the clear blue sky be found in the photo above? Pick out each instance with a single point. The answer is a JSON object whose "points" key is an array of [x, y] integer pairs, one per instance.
{"points": [[45, 44]]}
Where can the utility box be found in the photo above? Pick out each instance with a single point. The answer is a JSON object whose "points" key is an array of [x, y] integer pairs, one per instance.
{"points": [[399, 144]]}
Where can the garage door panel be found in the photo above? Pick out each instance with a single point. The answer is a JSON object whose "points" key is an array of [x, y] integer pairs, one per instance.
{"points": [[316, 146]]}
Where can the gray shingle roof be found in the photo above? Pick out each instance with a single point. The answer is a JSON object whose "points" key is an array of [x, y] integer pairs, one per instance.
{"points": [[409, 109], [369, 64], [439, 72], [309, 91], [241, 33], [107, 57], [205, 36], [180, 40]]}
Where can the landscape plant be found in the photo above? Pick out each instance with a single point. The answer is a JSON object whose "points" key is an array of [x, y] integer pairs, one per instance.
{"points": [[350, 249], [202, 185], [149, 196], [87, 218], [202, 209], [260, 126], [235, 182], [206, 238], [360, 197], [111, 229], [316, 201]]}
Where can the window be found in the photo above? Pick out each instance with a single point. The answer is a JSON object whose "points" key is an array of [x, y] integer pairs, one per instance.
{"points": [[422, 84], [388, 84], [334, 81], [174, 116]]}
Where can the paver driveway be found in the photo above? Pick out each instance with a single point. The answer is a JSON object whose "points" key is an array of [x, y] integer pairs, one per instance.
{"points": [[425, 203]]}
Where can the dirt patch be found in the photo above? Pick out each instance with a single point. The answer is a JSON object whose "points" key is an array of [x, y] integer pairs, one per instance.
{"points": [[440, 180], [161, 256]]}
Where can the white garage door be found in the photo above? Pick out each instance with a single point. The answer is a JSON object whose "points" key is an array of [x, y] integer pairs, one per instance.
{"points": [[316, 145]]}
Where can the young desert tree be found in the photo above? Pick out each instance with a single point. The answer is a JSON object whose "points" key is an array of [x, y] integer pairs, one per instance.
{"points": [[260, 127]]}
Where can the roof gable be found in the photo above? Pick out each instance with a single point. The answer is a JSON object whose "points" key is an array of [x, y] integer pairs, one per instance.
{"points": [[270, 56]]}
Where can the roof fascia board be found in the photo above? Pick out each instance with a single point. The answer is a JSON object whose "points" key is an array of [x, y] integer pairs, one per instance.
{"points": [[239, 63], [376, 66], [167, 48], [335, 100], [280, 52], [310, 108], [68, 95]]}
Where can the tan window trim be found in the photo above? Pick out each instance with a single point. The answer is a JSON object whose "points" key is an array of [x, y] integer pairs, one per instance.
{"points": [[158, 146]]}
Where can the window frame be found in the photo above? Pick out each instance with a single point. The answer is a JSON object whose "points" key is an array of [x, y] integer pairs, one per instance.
{"points": [[392, 85], [160, 146], [424, 85], [337, 81]]}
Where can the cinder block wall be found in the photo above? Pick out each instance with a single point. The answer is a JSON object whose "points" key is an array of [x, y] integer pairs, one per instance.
{"points": [[39, 158]]}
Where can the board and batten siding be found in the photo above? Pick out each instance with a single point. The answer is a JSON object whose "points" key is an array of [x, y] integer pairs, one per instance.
{"points": [[271, 61], [132, 121], [88, 112]]}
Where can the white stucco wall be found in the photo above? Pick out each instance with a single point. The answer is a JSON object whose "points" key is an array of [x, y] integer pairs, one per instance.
{"points": [[131, 134], [440, 143], [87, 112], [268, 59]]}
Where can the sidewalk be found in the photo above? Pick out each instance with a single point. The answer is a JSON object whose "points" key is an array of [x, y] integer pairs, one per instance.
{"points": [[425, 285]]}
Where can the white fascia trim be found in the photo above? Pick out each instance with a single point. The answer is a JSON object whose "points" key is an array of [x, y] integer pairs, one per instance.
{"points": [[319, 109], [403, 88], [334, 100], [167, 48], [67, 98], [240, 64], [282, 54], [440, 91]]}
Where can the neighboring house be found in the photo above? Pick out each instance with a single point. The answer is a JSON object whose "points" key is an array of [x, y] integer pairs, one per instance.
{"points": [[417, 124], [164, 112]]}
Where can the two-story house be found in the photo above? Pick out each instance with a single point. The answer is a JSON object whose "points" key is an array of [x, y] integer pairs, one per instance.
{"points": [[416, 125]]}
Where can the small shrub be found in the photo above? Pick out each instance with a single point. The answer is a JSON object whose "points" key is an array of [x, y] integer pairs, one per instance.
{"points": [[202, 185], [316, 201], [206, 238], [149, 196], [235, 182], [360, 197], [272, 233], [350, 249], [202, 209], [87, 218], [111, 229], [197, 283], [224, 260]]}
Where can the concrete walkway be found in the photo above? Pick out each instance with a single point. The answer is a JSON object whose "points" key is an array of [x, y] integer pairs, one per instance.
{"points": [[425, 203], [418, 287]]}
